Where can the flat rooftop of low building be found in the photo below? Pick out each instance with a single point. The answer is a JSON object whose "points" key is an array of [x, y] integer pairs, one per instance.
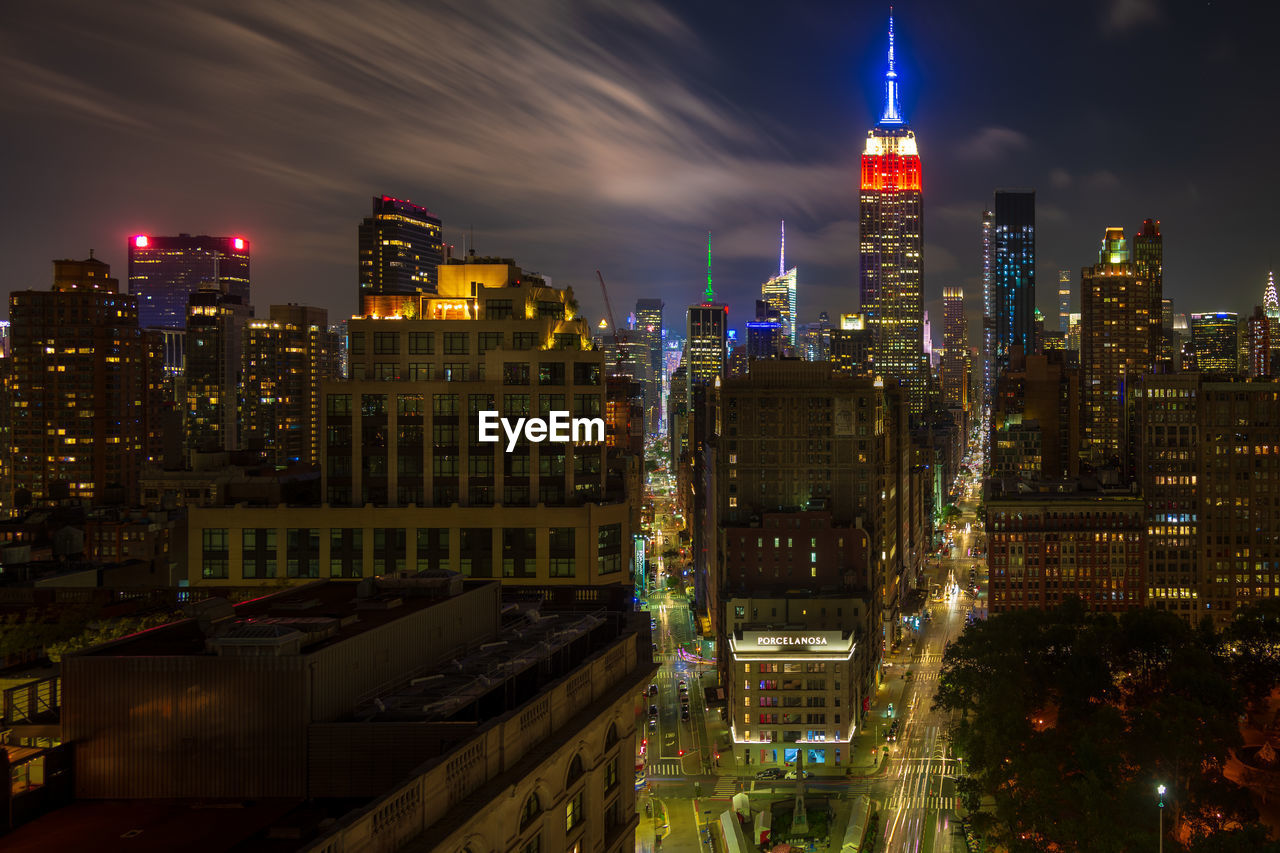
{"points": [[332, 611]]}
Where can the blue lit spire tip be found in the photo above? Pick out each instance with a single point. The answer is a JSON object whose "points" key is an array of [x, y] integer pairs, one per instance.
{"points": [[892, 111]]}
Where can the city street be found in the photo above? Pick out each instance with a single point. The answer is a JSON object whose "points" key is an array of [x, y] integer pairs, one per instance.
{"points": [[684, 785]]}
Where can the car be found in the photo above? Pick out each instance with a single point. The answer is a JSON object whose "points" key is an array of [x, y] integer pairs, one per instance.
{"points": [[769, 773], [653, 690], [653, 724], [791, 774], [684, 712], [653, 710], [683, 690], [682, 684]]}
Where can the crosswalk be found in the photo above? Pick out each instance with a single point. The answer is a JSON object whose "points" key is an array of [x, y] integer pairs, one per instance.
{"points": [[726, 786], [665, 767], [928, 657], [923, 675], [921, 801]]}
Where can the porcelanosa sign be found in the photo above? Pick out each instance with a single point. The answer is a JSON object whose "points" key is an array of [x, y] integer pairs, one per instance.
{"points": [[789, 640]]}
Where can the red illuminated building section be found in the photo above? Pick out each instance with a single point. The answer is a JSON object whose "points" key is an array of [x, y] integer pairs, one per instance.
{"points": [[890, 171]]}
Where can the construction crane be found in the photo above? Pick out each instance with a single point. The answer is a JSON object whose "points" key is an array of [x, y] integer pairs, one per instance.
{"points": [[609, 309]]}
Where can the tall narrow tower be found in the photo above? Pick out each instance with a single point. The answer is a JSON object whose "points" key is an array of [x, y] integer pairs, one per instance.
{"points": [[780, 292], [891, 244]]}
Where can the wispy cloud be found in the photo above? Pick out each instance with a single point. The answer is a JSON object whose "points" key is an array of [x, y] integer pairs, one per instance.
{"points": [[992, 143], [1121, 16]]}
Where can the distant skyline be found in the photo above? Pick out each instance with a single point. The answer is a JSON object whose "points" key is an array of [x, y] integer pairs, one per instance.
{"points": [[593, 135]]}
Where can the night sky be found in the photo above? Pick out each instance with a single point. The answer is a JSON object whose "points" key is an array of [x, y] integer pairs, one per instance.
{"points": [[577, 136]]}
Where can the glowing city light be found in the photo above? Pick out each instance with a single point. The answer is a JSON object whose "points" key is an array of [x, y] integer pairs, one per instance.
{"points": [[238, 243], [141, 241]]}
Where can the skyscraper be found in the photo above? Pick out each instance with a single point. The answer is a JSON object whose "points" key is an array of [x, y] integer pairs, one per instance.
{"points": [[165, 271], [1257, 344], [1064, 301], [955, 359], [1271, 310], [1216, 339], [1014, 272], [707, 338], [891, 244], [780, 292], [649, 324], [765, 333], [215, 347], [82, 377], [285, 360], [1116, 337], [988, 304], [400, 248], [1148, 255]]}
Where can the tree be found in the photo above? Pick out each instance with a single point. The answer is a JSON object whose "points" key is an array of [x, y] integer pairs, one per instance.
{"points": [[1251, 648], [1070, 716]]}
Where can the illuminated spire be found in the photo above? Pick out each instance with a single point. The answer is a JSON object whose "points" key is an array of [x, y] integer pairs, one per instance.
{"points": [[892, 112], [782, 251], [1269, 301], [711, 294]]}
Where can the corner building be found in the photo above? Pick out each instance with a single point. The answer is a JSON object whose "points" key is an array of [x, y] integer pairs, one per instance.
{"points": [[406, 481], [812, 493]]}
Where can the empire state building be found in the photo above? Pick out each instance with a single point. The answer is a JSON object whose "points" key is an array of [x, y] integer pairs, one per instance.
{"points": [[891, 237]]}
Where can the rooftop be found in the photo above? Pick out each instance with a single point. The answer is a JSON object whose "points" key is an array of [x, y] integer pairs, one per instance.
{"points": [[316, 615]]}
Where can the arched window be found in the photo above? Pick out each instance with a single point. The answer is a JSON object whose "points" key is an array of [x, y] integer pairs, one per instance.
{"points": [[611, 737], [575, 771], [532, 808]]}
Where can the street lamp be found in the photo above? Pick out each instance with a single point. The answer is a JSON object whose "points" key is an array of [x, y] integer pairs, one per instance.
{"points": [[1160, 790]]}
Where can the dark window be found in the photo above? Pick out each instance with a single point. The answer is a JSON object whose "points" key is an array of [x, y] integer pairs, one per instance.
{"points": [[476, 552], [524, 340], [515, 373], [586, 374], [386, 343], [487, 341], [497, 309], [455, 343], [339, 404], [422, 343]]}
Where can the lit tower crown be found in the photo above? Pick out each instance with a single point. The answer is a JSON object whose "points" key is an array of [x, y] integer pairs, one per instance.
{"points": [[1269, 301], [892, 111], [891, 232]]}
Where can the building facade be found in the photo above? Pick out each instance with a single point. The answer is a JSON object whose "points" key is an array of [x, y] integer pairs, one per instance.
{"points": [[1209, 467], [286, 359], [400, 246], [81, 377], [165, 271], [1062, 541], [649, 325], [1216, 339], [1117, 336], [956, 366], [214, 369], [1014, 273]]}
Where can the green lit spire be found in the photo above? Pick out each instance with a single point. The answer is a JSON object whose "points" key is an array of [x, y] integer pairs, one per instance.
{"points": [[711, 294]]}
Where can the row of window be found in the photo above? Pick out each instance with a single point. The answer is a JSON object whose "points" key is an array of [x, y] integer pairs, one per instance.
{"points": [[260, 551], [444, 405]]}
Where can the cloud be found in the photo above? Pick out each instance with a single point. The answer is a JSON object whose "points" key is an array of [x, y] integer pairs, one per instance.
{"points": [[1102, 179], [992, 143], [1121, 16], [1059, 178]]}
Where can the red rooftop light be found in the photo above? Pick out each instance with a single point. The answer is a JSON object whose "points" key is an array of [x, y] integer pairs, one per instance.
{"points": [[141, 241], [237, 242]]}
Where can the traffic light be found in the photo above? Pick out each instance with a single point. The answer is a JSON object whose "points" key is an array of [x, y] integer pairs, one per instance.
{"points": [[682, 753]]}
